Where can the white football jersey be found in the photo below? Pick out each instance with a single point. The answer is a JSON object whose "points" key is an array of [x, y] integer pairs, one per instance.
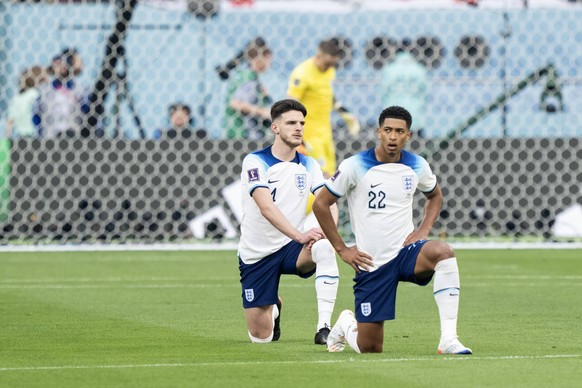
{"points": [[380, 197], [290, 184]]}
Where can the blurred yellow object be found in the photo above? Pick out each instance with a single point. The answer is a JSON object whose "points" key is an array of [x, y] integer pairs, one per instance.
{"points": [[309, 203], [351, 122]]}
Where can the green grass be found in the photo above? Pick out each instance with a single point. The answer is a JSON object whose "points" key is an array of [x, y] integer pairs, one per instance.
{"points": [[174, 319]]}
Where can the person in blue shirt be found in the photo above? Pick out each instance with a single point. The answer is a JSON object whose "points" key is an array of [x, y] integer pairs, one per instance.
{"points": [[62, 103]]}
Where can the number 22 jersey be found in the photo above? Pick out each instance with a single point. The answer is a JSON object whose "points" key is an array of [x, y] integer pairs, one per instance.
{"points": [[380, 197]]}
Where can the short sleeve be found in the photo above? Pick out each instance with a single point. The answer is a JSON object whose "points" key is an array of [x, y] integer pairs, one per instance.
{"points": [[11, 111], [318, 179], [254, 173], [344, 178], [426, 179]]}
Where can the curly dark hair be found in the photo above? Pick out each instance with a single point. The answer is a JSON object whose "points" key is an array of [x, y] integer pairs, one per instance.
{"points": [[395, 112]]}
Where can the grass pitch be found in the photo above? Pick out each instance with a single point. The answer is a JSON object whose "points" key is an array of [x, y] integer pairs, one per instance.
{"points": [[174, 319]]}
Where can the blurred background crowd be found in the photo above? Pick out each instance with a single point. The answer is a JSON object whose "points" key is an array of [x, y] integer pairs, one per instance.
{"points": [[143, 108]]}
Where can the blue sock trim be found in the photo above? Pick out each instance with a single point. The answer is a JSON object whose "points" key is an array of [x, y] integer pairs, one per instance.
{"points": [[444, 289], [327, 277]]}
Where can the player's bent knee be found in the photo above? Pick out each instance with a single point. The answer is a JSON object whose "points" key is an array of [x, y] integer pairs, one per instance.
{"points": [[322, 250], [443, 251], [372, 348], [323, 256]]}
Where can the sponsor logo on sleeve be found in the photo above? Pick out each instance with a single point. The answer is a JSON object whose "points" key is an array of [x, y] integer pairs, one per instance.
{"points": [[253, 174]]}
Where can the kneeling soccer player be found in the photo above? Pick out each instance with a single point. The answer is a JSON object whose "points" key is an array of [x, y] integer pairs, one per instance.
{"points": [[276, 184], [379, 184]]}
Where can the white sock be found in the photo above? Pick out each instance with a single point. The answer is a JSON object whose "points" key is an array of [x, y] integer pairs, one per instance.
{"points": [[326, 280], [269, 338], [261, 340], [349, 326], [447, 288], [352, 337]]}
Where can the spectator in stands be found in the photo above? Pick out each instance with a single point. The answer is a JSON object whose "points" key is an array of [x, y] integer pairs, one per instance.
{"points": [[181, 124], [248, 102], [20, 109], [311, 84], [405, 83], [62, 103]]}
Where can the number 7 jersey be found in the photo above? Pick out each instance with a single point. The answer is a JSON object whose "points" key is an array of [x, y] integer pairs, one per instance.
{"points": [[289, 184], [380, 197]]}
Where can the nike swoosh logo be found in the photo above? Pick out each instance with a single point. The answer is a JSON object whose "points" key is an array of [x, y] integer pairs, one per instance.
{"points": [[270, 181], [376, 185], [324, 282], [453, 294]]}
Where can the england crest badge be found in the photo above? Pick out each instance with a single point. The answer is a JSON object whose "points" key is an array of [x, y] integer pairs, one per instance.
{"points": [[366, 309], [408, 183], [249, 294], [301, 181]]}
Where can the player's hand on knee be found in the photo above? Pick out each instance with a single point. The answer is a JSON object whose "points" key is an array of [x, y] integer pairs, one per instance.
{"points": [[312, 235], [357, 260]]}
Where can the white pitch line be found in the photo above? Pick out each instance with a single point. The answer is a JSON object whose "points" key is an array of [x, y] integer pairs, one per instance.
{"points": [[121, 282], [120, 279], [246, 363], [109, 286], [106, 279], [526, 277], [212, 285]]}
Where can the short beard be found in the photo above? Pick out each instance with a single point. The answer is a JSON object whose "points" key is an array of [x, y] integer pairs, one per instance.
{"points": [[290, 142]]}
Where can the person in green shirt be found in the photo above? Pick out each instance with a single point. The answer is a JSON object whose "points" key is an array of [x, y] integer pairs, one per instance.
{"points": [[20, 109], [248, 102]]}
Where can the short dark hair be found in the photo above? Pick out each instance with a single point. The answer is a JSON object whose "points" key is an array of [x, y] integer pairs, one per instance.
{"points": [[179, 106], [67, 55], [286, 105], [256, 51], [395, 112], [330, 47], [32, 77]]}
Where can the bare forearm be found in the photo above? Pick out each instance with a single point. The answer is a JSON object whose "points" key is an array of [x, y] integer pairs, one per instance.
{"points": [[334, 213], [280, 222], [246, 108], [432, 209]]}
